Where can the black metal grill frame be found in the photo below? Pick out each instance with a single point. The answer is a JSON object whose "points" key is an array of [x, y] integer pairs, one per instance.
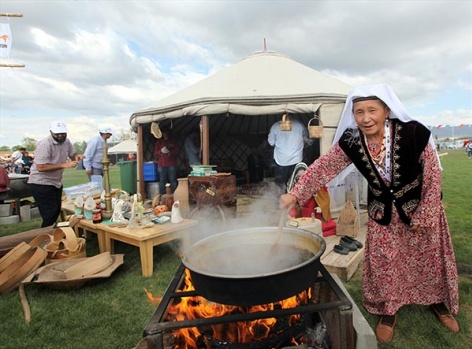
{"points": [[338, 313]]}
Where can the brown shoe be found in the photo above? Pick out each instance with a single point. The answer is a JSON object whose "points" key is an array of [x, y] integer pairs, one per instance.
{"points": [[446, 318], [385, 328]]}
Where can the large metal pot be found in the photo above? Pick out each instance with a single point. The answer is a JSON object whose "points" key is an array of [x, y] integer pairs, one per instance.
{"points": [[249, 266]]}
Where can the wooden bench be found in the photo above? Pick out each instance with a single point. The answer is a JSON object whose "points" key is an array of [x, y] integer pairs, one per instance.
{"points": [[343, 266]]}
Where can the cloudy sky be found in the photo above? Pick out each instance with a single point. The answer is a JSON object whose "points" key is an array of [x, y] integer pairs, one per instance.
{"points": [[93, 63]]}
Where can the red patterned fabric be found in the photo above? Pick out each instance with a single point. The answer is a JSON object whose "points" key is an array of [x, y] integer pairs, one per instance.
{"points": [[400, 267]]}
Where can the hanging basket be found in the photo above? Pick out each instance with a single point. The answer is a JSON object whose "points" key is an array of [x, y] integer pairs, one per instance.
{"points": [[285, 123], [315, 131]]}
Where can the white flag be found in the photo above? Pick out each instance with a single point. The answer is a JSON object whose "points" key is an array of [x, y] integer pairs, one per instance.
{"points": [[5, 40]]}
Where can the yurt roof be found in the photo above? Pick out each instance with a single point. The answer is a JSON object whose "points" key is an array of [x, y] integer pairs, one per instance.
{"points": [[264, 83]]}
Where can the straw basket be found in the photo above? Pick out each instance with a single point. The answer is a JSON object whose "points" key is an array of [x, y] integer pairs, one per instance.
{"points": [[315, 131], [285, 123]]}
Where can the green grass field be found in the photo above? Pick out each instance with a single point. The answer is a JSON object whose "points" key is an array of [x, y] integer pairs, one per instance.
{"points": [[112, 313]]}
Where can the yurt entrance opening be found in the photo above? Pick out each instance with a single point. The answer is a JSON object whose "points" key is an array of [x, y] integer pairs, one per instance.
{"points": [[237, 144]]}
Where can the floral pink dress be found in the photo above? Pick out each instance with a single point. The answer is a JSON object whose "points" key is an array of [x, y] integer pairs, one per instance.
{"points": [[400, 266]]}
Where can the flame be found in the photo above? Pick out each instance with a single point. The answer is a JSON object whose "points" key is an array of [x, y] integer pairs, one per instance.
{"points": [[153, 299], [197, 307]]}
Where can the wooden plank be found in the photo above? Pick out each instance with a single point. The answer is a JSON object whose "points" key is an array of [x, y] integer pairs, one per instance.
{"points": [[11, 15], [11, 65]]}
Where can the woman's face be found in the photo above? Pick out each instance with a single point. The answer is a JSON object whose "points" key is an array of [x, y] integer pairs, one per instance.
{"points": [[370, 116]]}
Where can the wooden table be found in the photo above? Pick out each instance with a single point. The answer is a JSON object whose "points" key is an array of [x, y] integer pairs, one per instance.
{"points": [[145, 238]]}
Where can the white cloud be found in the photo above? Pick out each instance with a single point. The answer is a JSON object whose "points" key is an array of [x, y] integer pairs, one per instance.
{"points": [[91, 62]]}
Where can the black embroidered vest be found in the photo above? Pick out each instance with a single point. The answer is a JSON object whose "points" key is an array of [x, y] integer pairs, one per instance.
{"points": [[404, 191]]}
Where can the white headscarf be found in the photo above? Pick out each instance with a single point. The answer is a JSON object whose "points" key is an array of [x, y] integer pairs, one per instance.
{"points": [[382, 91], [386, 94]]}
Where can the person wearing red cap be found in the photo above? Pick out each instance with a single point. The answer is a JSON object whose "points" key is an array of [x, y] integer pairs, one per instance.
{"points": [[52, 156]]}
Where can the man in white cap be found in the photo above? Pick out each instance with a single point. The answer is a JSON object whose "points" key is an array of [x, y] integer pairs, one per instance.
{"points": [[52, 156], [94, 152]]}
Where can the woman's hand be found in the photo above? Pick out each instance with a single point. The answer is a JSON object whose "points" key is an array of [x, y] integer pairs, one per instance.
{"points": [[287, 201]]}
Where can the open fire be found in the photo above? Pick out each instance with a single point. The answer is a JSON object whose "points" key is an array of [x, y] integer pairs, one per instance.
{"points": [[197, 307], [186, 320]]}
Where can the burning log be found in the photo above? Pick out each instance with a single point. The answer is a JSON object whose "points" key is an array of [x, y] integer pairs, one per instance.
{"points": [[287, 335]]}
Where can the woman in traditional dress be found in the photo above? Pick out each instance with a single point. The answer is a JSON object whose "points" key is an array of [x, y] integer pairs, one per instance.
{"points": [[409, 258]]}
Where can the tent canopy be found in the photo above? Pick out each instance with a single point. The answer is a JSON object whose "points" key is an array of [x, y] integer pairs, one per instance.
{"points": [[236, 107], [125, 147], [265, 83]]}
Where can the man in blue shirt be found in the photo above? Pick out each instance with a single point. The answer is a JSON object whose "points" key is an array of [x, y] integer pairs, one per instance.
{"points": [[94, 153], [288, 149]]}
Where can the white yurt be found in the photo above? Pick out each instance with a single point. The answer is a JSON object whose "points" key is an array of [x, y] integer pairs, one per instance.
{"points": [[236, 107]]}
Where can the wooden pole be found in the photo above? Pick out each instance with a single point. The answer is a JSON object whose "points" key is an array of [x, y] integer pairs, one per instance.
{"points": [[11, 65], [206, 140], [11, 15], [106, 179], [140, 162]]}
